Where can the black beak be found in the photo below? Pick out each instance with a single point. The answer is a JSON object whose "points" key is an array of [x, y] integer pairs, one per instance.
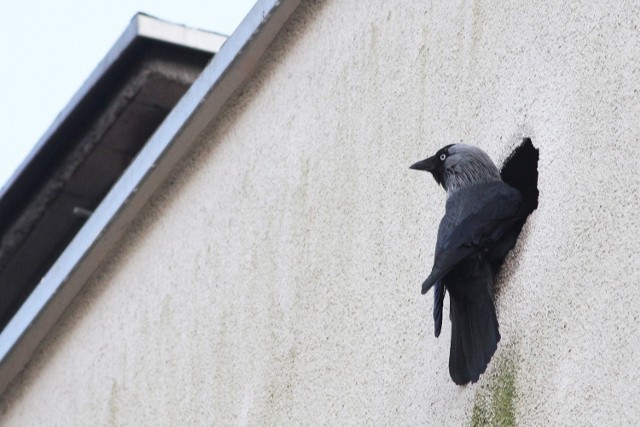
{"points": [[428, 165]]}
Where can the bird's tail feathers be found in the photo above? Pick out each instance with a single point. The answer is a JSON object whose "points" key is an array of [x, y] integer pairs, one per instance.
{"points": [[474, 337]]}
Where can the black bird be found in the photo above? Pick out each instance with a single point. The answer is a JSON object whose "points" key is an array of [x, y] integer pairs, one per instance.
{"points": [[482, 220]]}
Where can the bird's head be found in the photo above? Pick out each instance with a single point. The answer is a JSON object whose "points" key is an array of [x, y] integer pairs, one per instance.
{"points": [[459, 165]]}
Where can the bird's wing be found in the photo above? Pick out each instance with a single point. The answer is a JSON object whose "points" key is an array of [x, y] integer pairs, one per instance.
{"points": [[486, 212], [438, 301]]}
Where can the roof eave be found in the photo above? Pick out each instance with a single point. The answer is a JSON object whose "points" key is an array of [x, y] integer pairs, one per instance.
{"points": [[233, 64], [141, 26]]}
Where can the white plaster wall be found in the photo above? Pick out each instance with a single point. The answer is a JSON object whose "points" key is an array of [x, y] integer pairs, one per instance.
{"points": [[275, 279]]}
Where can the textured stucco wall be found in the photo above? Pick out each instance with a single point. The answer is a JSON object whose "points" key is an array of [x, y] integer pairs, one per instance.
{"points": [[275, 279]]}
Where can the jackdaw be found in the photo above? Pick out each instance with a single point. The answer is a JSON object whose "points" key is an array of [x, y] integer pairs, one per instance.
{"points": [[479, 228]]}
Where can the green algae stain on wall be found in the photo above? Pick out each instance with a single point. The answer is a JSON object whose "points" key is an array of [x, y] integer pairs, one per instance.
{"points": [[495, 404], [113, 404]]}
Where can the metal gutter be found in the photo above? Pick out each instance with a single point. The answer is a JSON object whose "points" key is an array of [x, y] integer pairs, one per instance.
{"points": [[230, 68]]}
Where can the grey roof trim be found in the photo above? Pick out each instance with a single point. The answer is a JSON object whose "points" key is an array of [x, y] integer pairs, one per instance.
{"points": [[232, 65], [184, 36]]}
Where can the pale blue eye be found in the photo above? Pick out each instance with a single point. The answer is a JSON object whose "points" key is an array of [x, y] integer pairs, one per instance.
{"points": [[442, 157]]}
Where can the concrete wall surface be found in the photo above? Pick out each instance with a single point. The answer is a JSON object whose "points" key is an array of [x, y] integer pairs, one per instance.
{"points": [[275, 279]]}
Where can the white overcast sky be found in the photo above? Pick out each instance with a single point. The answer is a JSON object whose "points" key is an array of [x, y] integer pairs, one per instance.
{"points": [[48, 49]]}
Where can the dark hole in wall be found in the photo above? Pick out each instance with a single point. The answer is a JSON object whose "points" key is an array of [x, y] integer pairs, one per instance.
{"points": [[520, 171]]}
